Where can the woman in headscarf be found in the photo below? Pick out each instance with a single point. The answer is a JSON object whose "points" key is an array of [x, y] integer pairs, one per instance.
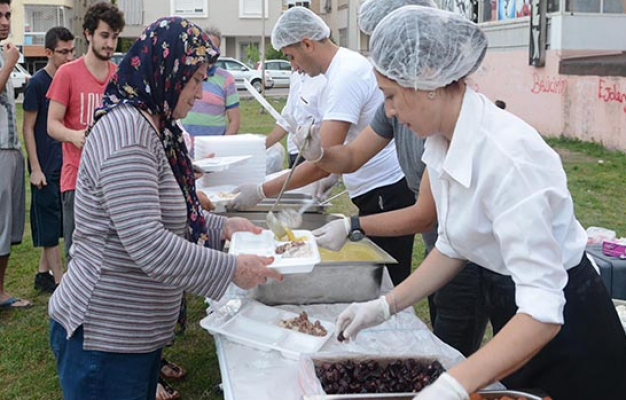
{"points": [[502, 202], [141, 236]]}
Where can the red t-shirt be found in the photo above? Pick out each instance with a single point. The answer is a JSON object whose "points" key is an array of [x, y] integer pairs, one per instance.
{"points": [[78, 90]]}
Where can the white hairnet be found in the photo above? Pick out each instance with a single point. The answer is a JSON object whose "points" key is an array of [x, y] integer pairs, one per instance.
{"points": [[426, 48], [296, 24], [372, 11]]}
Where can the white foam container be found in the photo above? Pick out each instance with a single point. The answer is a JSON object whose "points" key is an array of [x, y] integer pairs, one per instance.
{"points": [[217, 164], [257, 325], [265, 244]]}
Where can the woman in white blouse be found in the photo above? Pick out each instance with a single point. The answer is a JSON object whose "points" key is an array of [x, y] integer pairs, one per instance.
{"points": [[503, 203]]}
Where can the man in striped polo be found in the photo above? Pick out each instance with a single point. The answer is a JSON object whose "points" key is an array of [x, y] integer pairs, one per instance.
{"points": [[217, 113]]}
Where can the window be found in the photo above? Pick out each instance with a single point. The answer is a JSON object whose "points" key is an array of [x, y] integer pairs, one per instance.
{"points": [[294, 3], [252, 8], [595, 6], [133, 11], [38, 19], [190, 8]]}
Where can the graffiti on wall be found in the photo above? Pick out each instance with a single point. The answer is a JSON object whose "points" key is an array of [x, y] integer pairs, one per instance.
{"points": [[548, 84], [610, 93]]}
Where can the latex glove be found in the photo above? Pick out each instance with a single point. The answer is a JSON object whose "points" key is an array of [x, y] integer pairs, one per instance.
{"points": [[359, 316], [333, 235], [312, 151], [248, 195], [325, 186], [444, 388]]}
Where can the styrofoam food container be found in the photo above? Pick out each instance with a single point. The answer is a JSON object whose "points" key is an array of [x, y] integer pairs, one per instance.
{"points": [[257, 325], [265, 244], [217, 164]]}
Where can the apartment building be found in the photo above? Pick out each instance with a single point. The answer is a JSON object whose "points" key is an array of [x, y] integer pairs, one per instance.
{"points": [[243, 23], [30, 21]]}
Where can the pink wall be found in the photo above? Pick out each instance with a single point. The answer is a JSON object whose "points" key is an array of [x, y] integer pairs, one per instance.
{"points": [[589, 108]]}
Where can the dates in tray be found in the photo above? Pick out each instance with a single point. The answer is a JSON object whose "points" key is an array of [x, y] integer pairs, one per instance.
{"points": [[371, 376]]}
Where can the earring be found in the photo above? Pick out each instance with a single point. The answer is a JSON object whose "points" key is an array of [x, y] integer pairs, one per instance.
{"points": [[431, 95]]}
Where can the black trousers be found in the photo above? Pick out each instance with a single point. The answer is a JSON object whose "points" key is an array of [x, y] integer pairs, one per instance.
{"points": [[389, 198], [587, 358]]}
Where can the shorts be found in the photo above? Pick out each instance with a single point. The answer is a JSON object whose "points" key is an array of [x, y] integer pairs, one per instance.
{"points": [[67, 199], [46, 214], [12, 199]]}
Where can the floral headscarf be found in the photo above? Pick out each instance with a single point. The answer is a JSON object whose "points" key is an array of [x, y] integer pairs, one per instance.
{"points": [[151, 77]]}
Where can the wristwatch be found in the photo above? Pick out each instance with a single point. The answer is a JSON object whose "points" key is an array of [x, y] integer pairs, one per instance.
{"points": [[356, 233]]}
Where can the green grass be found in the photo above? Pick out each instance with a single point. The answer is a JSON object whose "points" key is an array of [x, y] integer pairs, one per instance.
{"points": [[27, 370]]}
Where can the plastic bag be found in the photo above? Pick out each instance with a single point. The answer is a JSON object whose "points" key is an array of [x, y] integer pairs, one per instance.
{"points": [[274, 158], [598, 235]]}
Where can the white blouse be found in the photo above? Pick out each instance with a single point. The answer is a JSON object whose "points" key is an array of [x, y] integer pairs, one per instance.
{"points": [[503, 203]]}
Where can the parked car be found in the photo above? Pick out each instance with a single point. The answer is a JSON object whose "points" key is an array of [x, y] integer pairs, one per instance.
{"points": [[242, 71], [280, 70], [117, 57], [19, 79]]}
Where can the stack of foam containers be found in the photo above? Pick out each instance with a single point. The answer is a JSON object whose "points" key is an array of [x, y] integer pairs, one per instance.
{"points": [[251, 171]]}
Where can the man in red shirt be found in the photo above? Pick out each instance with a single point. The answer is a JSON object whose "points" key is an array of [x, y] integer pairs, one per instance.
{"points": [[76, 91]]}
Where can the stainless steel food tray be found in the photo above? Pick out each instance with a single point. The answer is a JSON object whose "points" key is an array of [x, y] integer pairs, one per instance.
{"points": [[326, 284], [289, 200], [409, 396]]}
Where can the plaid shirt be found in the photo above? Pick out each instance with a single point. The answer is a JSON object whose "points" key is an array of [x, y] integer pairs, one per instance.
{"points": [[8, 126]]}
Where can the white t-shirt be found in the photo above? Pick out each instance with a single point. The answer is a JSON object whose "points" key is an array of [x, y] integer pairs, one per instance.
{"points": [[303, 104], [352, 95], [503, 203]]}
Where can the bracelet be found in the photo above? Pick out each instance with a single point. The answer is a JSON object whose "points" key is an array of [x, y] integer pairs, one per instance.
{"points": [[319, 158], [260, 192], [394, 305]]}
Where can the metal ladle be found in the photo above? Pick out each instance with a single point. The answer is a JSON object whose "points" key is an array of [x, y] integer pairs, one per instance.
{"points": [[276, 226]]}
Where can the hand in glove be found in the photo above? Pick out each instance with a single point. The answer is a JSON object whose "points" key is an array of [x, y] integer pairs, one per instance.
{"points": [[333, 235], [248, 195], [359, 316], [312, 150], [325, 186], [446, 387]]}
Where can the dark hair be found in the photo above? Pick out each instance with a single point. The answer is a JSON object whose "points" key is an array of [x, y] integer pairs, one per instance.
{"points": [[57, 34], [5, 2], [105, 12]]}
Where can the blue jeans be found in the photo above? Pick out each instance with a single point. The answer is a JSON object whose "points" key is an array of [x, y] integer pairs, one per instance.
{"points": [[98, 375]]}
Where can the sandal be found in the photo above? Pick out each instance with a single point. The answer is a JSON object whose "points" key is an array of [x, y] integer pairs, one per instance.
{"points": [[13, 303], [165, 392], [170, 370]]}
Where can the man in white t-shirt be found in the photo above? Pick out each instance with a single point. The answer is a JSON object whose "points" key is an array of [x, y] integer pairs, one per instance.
{"points": [[348, 104]]}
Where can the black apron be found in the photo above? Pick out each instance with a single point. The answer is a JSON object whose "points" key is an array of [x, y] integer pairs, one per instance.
{"points": [[587, 358]]}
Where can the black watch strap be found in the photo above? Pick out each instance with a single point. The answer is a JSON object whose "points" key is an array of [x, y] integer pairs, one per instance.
{"points": [[356, 233]]}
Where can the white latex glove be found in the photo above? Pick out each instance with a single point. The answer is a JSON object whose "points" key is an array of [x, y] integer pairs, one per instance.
{"points": [[359, 316], [249, 195], [333, 235], [325, 186], [312, 152], [444, 388]]}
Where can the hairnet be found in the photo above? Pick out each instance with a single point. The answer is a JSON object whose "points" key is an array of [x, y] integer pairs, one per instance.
{"points": [[296, 24], [426, 48], [372, 11]]}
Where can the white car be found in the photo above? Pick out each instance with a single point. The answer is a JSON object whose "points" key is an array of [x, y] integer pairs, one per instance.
{"points": [[280, 70], [241, 71], [19, 79]]}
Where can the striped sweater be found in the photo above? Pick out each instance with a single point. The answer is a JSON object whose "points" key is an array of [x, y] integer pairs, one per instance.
{"points": [[130, 263]]}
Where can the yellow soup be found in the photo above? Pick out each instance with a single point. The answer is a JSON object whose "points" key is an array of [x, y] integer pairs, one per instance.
{"points": [[351, 252]]}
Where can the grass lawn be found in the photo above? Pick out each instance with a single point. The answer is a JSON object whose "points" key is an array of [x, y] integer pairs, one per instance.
{"points": [[27, 370]]}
